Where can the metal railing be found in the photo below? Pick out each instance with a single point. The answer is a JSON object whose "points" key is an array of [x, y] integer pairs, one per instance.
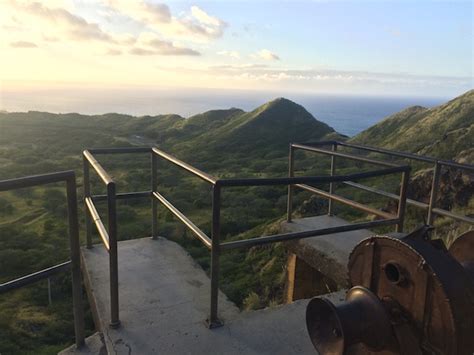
{"points": [[74, 263], [213, 243], [107, 235], [438, 165]]}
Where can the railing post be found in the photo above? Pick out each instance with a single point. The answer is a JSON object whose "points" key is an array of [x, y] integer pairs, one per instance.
{"points": [[402, 201], [154, 203], [291, 173], [75, 251], [213, 321], [113, 255], [331, 184], [87, 193], [434, 192]]}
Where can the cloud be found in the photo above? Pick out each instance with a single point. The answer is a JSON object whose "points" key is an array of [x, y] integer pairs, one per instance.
{"points": [[231, 54], [141, 51], [327, 80], [238, 67], [141, 11], [48, 24], [196, 25], [23, 44], [158, 12], [75, 27], [112, 51], [168, 48], [149, 43], [266, 55], [205, 18]]}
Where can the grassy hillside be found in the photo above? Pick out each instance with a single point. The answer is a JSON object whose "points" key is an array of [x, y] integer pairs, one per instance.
{"points": [[445, 131], [223, 142]]}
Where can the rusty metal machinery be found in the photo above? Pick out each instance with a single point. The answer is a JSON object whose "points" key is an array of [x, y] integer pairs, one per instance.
{"points": [[413, 296]]}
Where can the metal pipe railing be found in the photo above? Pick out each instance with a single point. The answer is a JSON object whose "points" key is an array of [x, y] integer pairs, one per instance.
{"points": [[308, 179], [291, 169], [197, 232], [104, 235], [385, 194], [109, 235], [74, 264], [34, 277], [154, 189], [213, 320], [123, 196], [185, 166], [334, 153], [247, 243], [214, 244], [346, 201], [332, 186], [432, 211]]}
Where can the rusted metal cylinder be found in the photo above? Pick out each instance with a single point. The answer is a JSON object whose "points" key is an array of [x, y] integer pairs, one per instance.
{"points": [[462, 249], [360, 319], [426, 291]]}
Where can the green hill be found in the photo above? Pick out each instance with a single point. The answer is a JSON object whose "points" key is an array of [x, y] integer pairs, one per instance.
{"points": [[265, 131], [445, 131]]}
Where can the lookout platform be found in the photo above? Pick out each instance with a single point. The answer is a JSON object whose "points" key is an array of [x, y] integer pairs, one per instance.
{"points": [[164, 301]]}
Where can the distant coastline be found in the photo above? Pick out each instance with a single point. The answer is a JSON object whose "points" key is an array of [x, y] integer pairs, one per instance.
{"points": [[348, 115]]}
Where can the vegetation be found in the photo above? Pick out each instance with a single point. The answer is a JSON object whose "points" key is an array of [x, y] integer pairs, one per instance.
{"points": [[445, 131], [225, 143]]}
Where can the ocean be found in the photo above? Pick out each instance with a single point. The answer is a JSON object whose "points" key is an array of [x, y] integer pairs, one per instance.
{"points": [[346, 114]]}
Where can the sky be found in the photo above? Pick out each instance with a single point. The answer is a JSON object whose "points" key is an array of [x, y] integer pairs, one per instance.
{"points": [[419, 48]]}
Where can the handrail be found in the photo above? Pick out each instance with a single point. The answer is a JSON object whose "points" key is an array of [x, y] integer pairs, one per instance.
{"points": [[395, 153], [309, 179], [123, 195], [347, 201], [34, 277], [214, 244], [386, 194], [98, 168], [35, 180], [108, 235], [120, 150], [431, 208], [407, 155], [104, 235], [342, 155], [246, 243], [185, 166], [74, 263], [198, 232]]}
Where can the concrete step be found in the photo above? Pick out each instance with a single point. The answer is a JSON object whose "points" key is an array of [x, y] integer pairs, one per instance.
{"points": [[165, 298], [94, 346]]}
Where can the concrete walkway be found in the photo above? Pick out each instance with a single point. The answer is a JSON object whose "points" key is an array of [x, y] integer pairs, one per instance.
{"points": [[164, 300]]}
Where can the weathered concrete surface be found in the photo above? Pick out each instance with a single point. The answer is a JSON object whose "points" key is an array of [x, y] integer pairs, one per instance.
{"points": [[304, 281], [94, 346], [164, 300], [329, 254]]}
